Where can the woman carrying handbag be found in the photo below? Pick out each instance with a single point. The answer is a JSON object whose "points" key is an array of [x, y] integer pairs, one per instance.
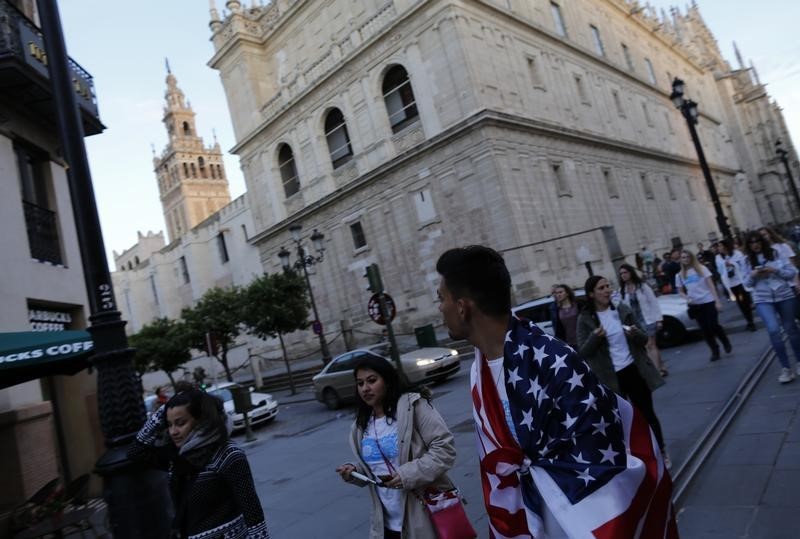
{"points": [[403, 450]]}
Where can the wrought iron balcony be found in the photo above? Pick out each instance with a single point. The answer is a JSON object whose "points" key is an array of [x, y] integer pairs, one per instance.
{"points": [[42, 233], [24, 77]]}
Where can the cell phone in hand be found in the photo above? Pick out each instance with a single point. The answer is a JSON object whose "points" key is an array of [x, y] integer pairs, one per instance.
{"points": [[627, 328], [362, 477]]}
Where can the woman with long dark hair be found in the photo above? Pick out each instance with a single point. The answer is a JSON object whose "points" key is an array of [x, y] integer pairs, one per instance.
{"points": [[401, 443], [611, 341], [696, 284], [771, 277], [564, 314], [638, 295], [210, 481]]}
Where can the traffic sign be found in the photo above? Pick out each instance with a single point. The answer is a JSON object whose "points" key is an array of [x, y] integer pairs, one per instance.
{"points": [[374, 308]]}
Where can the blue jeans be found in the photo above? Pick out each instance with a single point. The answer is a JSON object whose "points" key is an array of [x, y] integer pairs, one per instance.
{"points": [[769, 313]]}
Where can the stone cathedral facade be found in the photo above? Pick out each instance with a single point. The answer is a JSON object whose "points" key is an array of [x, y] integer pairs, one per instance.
{"points": [[400, 128]]}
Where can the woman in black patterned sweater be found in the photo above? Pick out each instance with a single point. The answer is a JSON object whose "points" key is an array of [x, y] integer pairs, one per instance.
{"points": [[210, 481]]}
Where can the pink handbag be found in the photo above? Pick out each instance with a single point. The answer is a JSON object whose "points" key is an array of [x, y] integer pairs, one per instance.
{"points": [[448, 515]]}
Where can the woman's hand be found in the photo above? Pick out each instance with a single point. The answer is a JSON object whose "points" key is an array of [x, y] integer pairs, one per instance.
{"points": [[393, 482], [344, 470], [600, 332]]}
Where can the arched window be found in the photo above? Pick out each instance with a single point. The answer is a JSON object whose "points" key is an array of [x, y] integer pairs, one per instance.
{"points": [[219, 172], [291, 183], [338, 139], [185, 170], [213, 172], [186, 129], [201, 164], [194, 170], [399, 98], [136, 260]]}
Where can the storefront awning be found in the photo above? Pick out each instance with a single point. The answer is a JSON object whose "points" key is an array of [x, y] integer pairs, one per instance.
{"points": [[35, 354]]}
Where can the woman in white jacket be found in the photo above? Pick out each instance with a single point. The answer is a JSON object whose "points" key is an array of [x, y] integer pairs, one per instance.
{"points": [[638, 295]]}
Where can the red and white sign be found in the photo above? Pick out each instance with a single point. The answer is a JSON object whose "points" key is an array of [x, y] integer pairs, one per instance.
{"points": [[374, 308]]}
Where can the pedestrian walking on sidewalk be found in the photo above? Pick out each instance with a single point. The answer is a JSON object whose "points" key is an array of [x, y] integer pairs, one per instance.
{"points": [[210, 481], [731, 265], [696, 284], [771, 277], [560, 454], [613, 343], [641, 299], [401, 441], [564, 314]]}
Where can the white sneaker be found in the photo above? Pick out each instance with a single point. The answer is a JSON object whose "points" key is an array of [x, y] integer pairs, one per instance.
{"points": [[786, 375]]}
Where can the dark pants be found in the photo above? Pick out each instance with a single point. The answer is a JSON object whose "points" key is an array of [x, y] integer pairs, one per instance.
{"points": [[389, 534], [744, 302], [634, 388], [708, 320]]}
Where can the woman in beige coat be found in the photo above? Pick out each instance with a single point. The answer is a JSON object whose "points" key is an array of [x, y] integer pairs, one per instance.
{"points": [[401, 443]]}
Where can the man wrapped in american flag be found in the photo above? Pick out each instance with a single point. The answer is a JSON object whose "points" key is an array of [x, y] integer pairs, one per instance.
{"points": [[561, 455]]}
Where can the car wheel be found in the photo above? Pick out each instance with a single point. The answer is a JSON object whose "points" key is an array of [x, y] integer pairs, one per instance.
{"points": [[331, 399], [672, 333]]}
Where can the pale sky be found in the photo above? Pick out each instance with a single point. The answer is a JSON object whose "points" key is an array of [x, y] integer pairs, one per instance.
{"points": [[123, 46]]}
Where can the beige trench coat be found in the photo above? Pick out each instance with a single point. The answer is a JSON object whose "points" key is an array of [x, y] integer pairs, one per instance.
{"points": [[426, 452]]}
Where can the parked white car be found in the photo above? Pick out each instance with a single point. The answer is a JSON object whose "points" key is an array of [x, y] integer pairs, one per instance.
{"points": [[265, 407], [674, 308]]}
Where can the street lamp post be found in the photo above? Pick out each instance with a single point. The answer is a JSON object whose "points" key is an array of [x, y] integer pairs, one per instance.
{"points": [[783, 155], [303, 261], [689, 110], [138, 499]]}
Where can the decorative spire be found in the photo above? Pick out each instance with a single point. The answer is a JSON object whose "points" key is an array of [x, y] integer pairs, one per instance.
{"points": [[755, 73], [738, 56], [166, 62], [234, 6], [215, 22]]}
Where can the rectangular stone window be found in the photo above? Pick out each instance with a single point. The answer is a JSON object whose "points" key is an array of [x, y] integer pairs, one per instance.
{"points": [[651, 74], [582, 95], [357, 231], [558, 20], [598, 42], [610, 183], [184, 270], [628, 60], [618, 103], [423, 203], [560, 179], [535, 74], [646, 112], [689, 189], [223, 249], [646, 186], [670, 188]]}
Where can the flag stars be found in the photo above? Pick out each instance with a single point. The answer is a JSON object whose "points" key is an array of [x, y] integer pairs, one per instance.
{"points": [[575, 381], [569, 421], [521, 350], [579, 458], [601, 426], [608, 454], [539, 354], [527, 418], [559, 363], [590, 401], [514, 377], [585, 476]]}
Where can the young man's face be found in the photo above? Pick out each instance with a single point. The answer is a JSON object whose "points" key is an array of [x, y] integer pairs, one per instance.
{"points": [[451, 312]]}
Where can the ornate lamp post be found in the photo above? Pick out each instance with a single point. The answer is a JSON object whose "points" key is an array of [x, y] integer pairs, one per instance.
{"points": [[303, 261], [138, 499], [783, 155], [689, 110]]}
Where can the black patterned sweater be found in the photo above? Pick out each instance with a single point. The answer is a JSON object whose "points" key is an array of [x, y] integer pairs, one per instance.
{"points": [[212, 489]]}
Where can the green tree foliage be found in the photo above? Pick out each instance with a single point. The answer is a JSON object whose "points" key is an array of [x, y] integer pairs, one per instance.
{"points": [[161, 345], [276, 304], [217, 314]]}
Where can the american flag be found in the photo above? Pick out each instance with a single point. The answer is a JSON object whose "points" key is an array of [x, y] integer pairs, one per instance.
{"points": [[577, 446]]}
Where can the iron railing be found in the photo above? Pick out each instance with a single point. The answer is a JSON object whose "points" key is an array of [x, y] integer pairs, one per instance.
{"points": [[42, 233]]}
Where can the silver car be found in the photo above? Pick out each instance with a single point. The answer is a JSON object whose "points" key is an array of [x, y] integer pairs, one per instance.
{"points": [[265, 407], [335, 383]]}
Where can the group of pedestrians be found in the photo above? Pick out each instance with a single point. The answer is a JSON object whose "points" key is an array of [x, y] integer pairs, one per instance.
{"points": [[569, 442]]}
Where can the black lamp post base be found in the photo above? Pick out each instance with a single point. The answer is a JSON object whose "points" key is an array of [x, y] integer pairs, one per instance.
{"points": [[138, 498]]}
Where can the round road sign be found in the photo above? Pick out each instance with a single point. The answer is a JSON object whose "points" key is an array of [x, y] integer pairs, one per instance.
{"points": [[374, 308]]}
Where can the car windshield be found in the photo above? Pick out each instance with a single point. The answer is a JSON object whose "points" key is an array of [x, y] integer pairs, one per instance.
{"points": [[384, 349], [223, 394]]}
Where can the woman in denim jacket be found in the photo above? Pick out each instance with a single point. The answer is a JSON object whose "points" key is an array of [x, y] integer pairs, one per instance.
{"points": [[771, 277]]}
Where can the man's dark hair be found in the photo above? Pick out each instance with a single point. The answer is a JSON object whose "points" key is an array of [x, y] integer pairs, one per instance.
{"points": [[480, 274]]}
